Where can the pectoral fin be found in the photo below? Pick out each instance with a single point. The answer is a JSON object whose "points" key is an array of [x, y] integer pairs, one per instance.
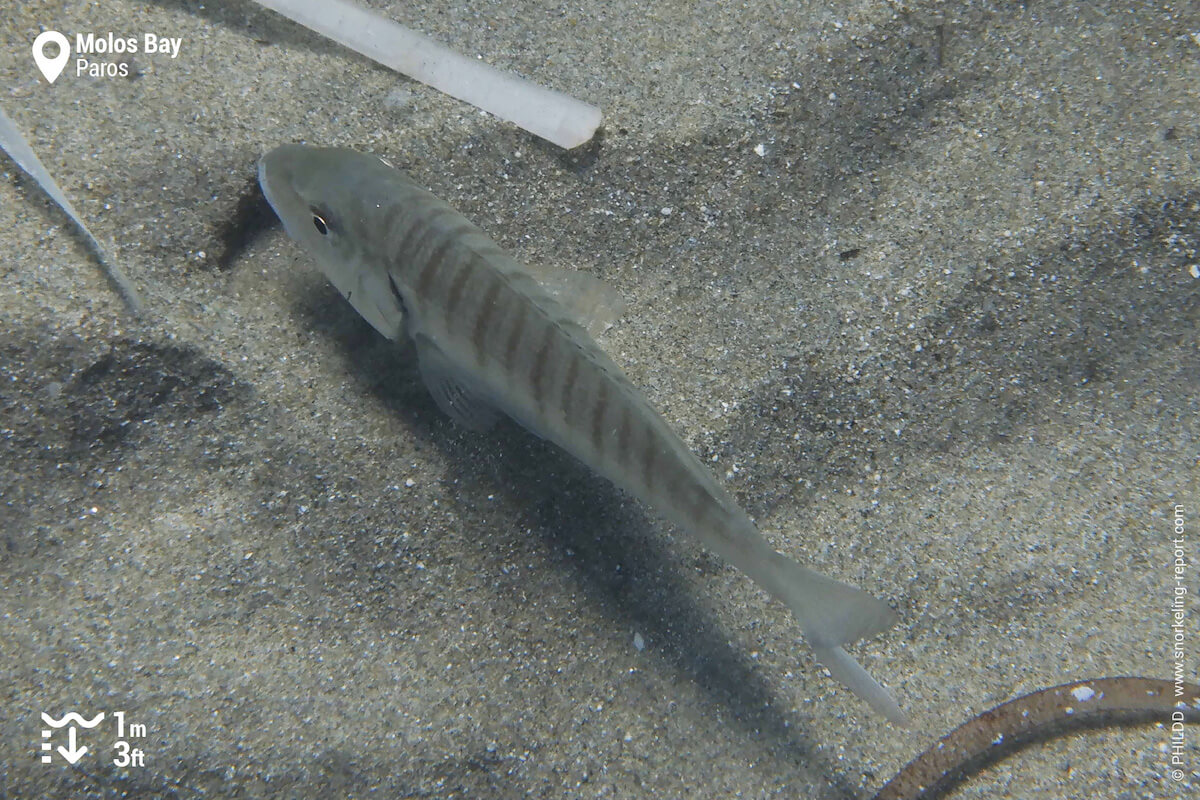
{"points": [[372, 294], [453, 395]]}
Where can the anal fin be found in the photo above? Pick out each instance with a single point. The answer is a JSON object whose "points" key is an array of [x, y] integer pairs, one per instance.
{"points": [[452, 394]]}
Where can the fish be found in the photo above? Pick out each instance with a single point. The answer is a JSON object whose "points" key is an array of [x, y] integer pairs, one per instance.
{"points": [[494, 337]]}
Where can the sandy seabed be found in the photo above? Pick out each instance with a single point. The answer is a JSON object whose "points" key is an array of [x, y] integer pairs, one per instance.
{"points": [[919, 280]]}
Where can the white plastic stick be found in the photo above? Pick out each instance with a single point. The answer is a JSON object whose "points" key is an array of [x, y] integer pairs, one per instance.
{"points": [[20, 152], [552, 115]]}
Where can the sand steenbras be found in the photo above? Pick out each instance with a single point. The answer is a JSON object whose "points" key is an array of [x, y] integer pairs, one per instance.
{"points": [[493, 337]]}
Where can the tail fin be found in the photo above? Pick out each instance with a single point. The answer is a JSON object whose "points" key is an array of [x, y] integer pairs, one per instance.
{"points": [[833, 614]]}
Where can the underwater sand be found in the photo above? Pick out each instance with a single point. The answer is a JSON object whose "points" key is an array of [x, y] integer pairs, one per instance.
{"points": [[918, 280]]}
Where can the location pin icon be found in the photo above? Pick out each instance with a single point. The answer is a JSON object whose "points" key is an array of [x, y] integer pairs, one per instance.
{"points": [[51, 67]]}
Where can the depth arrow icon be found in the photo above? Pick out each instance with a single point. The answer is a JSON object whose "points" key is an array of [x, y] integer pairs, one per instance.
{"points": [[70, 753]]}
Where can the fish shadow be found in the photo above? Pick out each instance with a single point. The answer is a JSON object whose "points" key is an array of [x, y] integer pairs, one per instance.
{"points": [[621, 559]]}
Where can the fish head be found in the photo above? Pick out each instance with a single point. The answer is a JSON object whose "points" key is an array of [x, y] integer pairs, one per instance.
{"points": [[329, 201], [314, 192]]}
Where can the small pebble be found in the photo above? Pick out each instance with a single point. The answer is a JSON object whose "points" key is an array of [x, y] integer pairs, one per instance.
{"points": [[1083, 693]]}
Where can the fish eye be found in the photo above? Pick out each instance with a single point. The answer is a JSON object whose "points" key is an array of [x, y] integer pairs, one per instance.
{"points": [[320, 225]]}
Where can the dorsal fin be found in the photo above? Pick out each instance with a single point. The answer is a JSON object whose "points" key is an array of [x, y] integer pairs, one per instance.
{"points": [[586, 300], [568, 295]]}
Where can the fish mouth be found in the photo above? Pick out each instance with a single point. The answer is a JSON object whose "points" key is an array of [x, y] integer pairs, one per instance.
{"points": [[275, 171], [278, 175]]}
